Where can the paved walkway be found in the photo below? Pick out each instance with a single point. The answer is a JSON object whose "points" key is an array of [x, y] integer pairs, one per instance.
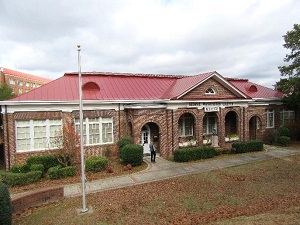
{"points": [[164, 169]]}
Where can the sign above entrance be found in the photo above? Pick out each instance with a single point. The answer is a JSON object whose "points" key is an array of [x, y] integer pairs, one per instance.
{"points": [[213, 106], [211, 109]]}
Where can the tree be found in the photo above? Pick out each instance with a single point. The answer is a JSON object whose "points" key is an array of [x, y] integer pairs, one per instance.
{"points": [[291, 86], [67, 142], [6, 92]]}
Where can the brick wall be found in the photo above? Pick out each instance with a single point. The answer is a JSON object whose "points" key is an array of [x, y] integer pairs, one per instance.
{"points": [[35, 198], [163, 122], [199, 92], [12, 157]]}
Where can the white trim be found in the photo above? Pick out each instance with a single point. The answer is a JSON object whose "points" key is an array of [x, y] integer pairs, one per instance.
{"points": [[31, 127], [220, 79]]}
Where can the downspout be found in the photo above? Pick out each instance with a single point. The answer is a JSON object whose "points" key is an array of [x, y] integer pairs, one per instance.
{"points": [[244, 112], [7, 140], [119, 121], [172, 131]]}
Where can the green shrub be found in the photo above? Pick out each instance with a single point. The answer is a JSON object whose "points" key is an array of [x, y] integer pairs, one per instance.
{"points": [[5, 205], [284, 140], [2, 174], [20, 179], [58, 172], [294, 131], [270, 136], [20, 168], [46, 160], [194, 153], [37, 167], [96, 164], [283, 131], [132, 154], [124, 141], [248, 146]]}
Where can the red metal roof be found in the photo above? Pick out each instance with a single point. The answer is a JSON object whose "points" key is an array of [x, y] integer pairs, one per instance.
{"points": [[183, 85], [254, 90], [25, 75], [126, 86]]}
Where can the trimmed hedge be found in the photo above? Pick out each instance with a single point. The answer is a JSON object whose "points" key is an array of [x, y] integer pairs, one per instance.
{"points": [[284, 140], [37, 167], [195, 153], [47, 161], [20, 168], [5, 205], [248, 146], [58, 172], [96, 164], [284, 131], [20, 179], [124, 141], [132, 154]]}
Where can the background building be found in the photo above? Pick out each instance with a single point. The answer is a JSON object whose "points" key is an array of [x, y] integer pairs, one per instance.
{"points": [[21, 82]]}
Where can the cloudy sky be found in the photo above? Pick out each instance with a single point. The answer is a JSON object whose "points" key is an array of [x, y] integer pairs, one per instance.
{"points": [[236, 38]]}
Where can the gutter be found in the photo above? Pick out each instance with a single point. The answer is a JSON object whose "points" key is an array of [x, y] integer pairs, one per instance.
{"points": [[7, 141]]}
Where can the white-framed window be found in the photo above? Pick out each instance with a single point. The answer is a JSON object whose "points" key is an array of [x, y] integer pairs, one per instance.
{"points": [[33, 135], [209, 123], [96, 130], [20, 83], [20, 90], [26, 84], [210, 91], [11, 81], [287, 117], [186, 125], [270, 118]]}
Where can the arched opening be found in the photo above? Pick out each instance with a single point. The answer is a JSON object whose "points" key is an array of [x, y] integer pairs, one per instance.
{"points": [[186, 132], [209, 127], [231, 127], [150, 134]]}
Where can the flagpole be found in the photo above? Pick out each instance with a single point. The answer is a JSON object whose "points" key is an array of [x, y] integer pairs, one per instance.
{"points": [[84, 208]]}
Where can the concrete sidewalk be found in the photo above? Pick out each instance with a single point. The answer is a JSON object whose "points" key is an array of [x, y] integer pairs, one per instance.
{"points": [[164, 169]]}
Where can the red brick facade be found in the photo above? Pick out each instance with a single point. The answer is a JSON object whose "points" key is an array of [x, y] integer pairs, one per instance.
{"points": [[232, 113]]}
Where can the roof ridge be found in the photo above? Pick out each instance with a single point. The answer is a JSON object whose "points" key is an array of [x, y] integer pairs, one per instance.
{"points": [[235, 79], [94, 73]]}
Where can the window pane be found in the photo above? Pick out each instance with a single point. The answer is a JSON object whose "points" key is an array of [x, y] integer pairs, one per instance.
{"points": [[106, 132], [94, 133], [270, 118], [39, 134], [23, 136]]}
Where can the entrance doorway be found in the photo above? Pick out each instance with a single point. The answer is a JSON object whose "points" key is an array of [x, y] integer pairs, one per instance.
{"points": [[145, 138], [150, 134]]}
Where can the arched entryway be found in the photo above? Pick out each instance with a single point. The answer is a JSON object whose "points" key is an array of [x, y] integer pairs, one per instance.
{"points": [[209, 127], [150, 134], [186, 132], [231, 126], [254, 128]]}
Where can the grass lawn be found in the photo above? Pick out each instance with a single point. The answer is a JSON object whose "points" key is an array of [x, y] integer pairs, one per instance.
{"points": [[266, 192]]}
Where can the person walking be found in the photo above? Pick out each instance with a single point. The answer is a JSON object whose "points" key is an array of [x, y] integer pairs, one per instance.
{"points": [[153, 152]]}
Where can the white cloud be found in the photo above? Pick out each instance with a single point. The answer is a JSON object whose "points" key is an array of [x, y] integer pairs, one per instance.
{"points": [[235, 38]]}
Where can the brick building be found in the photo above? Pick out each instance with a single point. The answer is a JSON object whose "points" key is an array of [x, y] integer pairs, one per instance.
{"points": [[20, 82], [172, 111]]}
